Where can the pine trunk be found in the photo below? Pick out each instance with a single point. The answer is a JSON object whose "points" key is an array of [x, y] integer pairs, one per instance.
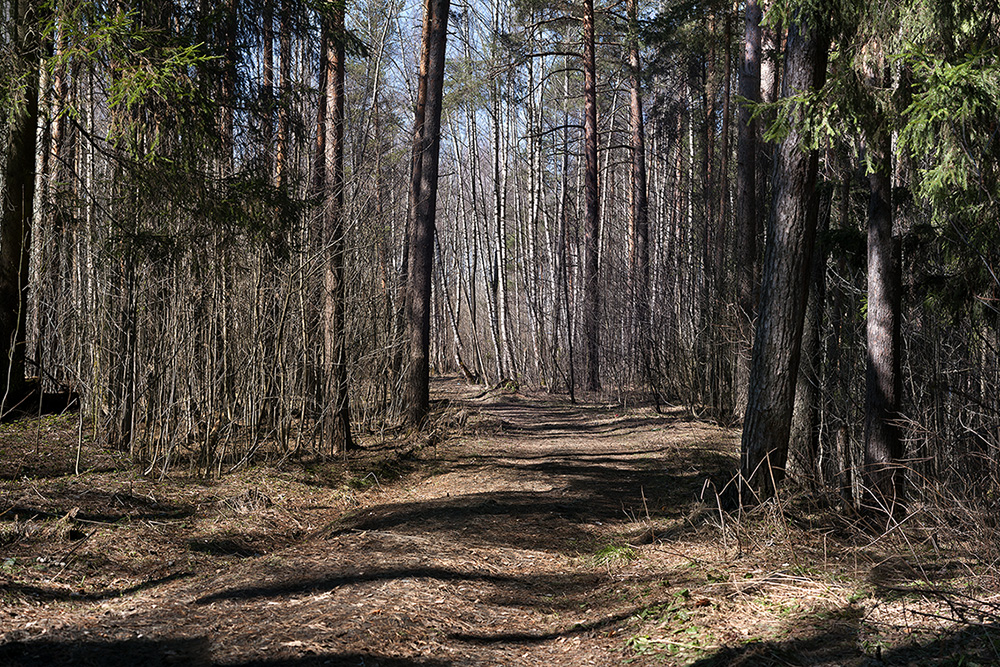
{"points": [[591, 283], [17, 194], [777, 344], [423, 202]]}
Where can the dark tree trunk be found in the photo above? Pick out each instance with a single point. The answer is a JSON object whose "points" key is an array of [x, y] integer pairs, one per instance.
{"points": [[883, 384], [423, 203], [284, 91], [17, 193], [748, 131], [338, 411], [723, 208], [638, 200], [803, 445], [591, 282], [775, 362], [267, 85]]}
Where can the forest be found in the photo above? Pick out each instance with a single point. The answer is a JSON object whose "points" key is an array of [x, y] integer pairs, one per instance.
{"points": [[354, 244]]}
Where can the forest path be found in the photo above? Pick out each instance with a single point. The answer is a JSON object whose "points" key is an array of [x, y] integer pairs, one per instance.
{"points": [[538, 533]]}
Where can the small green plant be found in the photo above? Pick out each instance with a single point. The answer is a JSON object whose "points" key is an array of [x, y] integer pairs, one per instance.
{"points": [[615, 554]]}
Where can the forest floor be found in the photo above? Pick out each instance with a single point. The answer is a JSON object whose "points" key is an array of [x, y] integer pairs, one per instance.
{"points": [[525, 531]]}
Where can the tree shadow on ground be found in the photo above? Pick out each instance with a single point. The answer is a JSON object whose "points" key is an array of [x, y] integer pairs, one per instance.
{"points": [[95, 507], [548, 592], [543, 420], [564, 498], [61, 594], [837, 642], [175, 652]]}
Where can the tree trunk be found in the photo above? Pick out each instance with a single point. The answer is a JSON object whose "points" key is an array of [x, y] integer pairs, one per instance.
{"points": [[284, 91], [775, 362], [337, 413], [423, 202], [748, 131], [638, 201], [591, 269], [267, 86], [17, 194], [803, 445], [883, 383]]}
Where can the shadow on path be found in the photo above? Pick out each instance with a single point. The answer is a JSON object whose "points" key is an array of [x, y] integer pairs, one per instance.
{"points": [[175, 652]]}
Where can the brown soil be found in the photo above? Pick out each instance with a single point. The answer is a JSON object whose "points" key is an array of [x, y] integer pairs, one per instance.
{"points": [[523, 531]]}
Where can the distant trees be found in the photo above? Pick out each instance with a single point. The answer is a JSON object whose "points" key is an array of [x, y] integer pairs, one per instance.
{"points": [[232, 240]]}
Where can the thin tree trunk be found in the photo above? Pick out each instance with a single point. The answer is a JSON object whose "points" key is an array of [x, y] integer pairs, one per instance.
{"points": [[267, 86], [803, 445], [284, 89], [748, 131], [337, 412], [591, 269], [639, 202]]}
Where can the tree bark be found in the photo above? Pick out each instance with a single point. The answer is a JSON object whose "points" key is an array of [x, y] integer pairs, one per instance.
{"points": [[748, 131], [803, 445], [591, 269], [638, 199], [423, 203], [337, 415], [284, 91], [17, 194], [883, 380], [776, 350]]}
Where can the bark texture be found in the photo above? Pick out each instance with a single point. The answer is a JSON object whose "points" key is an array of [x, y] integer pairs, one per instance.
{"points": [[638, 198], [423, 202], [748, 131], [17, 193], [338, 410], [883, 383], [791, 234], [591, 283]]}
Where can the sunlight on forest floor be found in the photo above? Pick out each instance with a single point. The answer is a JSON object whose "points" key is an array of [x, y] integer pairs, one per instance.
{"points": [[529, 531]]}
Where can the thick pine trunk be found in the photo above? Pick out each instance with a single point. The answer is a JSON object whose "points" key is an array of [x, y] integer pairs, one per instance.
{"points": [[17, 195], [776, 350], [423, 203], [883, 383]]}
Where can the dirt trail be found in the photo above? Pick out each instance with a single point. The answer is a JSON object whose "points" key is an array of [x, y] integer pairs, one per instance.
{"points": [[541, 534]]}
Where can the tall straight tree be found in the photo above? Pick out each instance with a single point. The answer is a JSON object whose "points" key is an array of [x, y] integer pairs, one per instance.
{"points": [[746, 196], [791, 234], [638, 196], [883, 380], [338, 411], [17, 193], [591, 229], [423, 204]]}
